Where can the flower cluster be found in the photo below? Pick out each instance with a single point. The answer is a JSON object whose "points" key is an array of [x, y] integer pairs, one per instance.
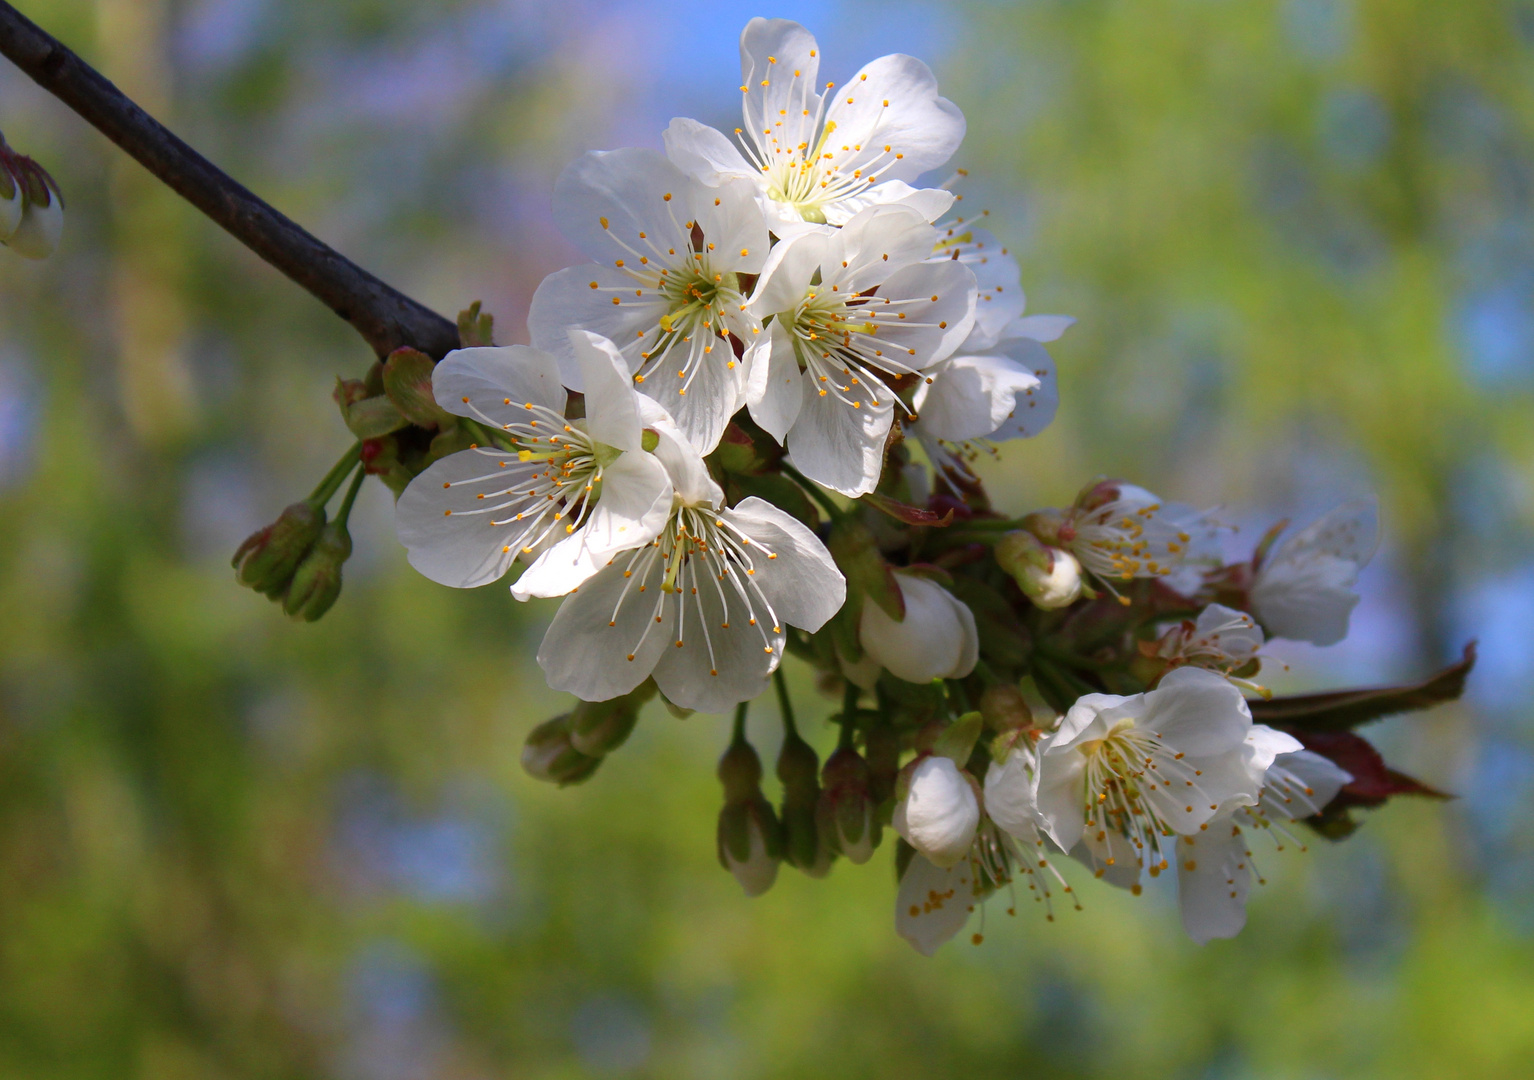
{"points": [[746, 429]]}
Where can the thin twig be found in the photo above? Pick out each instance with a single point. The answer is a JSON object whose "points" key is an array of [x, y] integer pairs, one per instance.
{"points": [[385, 317]]}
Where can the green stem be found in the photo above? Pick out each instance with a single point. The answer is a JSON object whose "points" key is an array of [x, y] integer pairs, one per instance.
{"points": [[486, 435], [812, 490], [1072, 659], [740, 722], [344, 514], [784, 705], [958, 699], [327, 487]]}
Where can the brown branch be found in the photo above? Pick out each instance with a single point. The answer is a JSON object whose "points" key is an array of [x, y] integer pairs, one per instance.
{"points": [[386, 318]]}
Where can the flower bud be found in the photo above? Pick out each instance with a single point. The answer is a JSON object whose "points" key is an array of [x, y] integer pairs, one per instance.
{"points": [[799, 772], [749, 839], [940, 811], [936, 639], [549, 755], [407, 380], [366, 415], [749, 845], [267, 559], [12, 201], [41, 223], [847, 813], [1049, 576], [1098, 493], [597, 728], [1004, 708], [317, 582]]}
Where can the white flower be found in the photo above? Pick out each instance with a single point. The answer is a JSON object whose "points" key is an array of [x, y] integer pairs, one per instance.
{"points": [[939, 813], [1000, 301], [876, 310], [818, 156], [702, 607], [934, 902], [1221, 639], [1011, 794], [1121, 775], [666, 286], [1125, 532], [937, 638], [570, 492], [1214, 868], [1008, 391], [1304, 590]]}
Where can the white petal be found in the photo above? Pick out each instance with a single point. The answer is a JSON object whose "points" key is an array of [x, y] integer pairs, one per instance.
{"points": [[774, 393], [1062, 779], [802, 584], [38, 233], [968, 397], [689, 475], [1198, 713], [10, 213], [487, 377], [1111, 856], [1350, 532], [790, 267], [933, 903], [461, 549], [705, 153], [566, 299], [930, 203], [838, 446], [875, 243], [1301, 783], [893, 102], [585, 651], [1000, 299], [1011, 796], [1039, 327], [1085, 719], [932, 329], [612, 410], [1033, 410], [631, 510], [715, 658], [779, 73], [1213, 879], [626, 188]]}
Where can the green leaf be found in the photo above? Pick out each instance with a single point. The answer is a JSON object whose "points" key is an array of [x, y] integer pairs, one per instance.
{"points": [[1344, 709], [957, 742], [857, 555]]}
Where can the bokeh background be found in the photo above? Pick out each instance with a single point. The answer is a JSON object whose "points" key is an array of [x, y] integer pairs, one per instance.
{"points": [[1299, 237]]}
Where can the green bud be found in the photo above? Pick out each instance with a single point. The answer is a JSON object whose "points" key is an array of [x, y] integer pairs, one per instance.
{"points": [[749, 844], [267, 559], [366, 417], [847, 813], [549, 755], [740, 771], [407, 382], [1004, 708], [1051, 577], [317, 582], [799, 772], [597, 728], [474, 329]]}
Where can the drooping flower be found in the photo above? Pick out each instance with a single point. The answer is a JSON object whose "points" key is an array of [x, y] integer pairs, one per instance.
{"points": [[820, 157], [1214, 868], [1122, 775], [851, 309], [666, 287], [1120, 532], [1304, 590], [940, 813], [564, 494], [702, 607], [937, 638]]}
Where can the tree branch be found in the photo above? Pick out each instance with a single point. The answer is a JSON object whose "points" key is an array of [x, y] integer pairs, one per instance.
{"points": [[386, 318]]}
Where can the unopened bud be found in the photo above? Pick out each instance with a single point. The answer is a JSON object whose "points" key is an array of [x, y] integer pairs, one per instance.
{"points": [[1046, 525], [1004, 708], [740, 771], [1049, 576], [799, 772], [267, 559], [939, 811], [749, 844], [37, 228], [475, 328], [597, 728], [549, 755], [1098, 493], [847, 813], [317, 582], [407, 381]]}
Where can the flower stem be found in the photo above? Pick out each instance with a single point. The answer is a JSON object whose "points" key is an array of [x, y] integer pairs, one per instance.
{"points": [[740, 722], [344, 514], [327, 486], [784, 705]]}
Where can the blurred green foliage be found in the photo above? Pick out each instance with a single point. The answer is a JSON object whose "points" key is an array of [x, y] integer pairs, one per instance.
{"points": [[232, 846]]}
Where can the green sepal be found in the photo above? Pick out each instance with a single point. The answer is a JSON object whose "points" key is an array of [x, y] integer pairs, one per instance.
{"points": [[475, 329], [957, 742], [857, 555]]}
